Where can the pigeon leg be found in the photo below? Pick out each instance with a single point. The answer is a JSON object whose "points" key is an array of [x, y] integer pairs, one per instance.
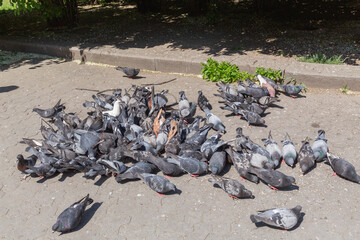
{"points": [[293, 96], [272, 187], [283, 160], [334, 175], [243, 178], [160, 194], [41, 177], [24, 177], [167, 176], [232, 196], [193, 175]]}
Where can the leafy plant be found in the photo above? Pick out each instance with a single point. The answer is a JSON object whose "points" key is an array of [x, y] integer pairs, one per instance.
{"points": [[322, 58], [345, 89], [275, 75], [224, 71]]}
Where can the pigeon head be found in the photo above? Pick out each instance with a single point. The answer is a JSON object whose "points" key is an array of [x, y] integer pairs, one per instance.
{"points": [[290, 179], [290, 161], [20, 157], [171, 186], [58, 227], [247, 193], [297, 210], [239, 131], [204, 166], [214, 169]]}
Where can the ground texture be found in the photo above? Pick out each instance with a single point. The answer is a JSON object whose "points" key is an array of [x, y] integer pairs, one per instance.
{"points": [[131, 210]]}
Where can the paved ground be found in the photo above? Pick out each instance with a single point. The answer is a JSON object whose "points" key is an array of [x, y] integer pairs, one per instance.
{"points": [[132, 211]]}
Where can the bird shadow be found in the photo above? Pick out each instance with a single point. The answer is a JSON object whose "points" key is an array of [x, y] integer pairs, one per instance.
{"points": [[88, 214], [8, 88], [301, 219], [290, 188], [101, 180], [136, 77], [66, 175], [42, 180], [276, 106]]}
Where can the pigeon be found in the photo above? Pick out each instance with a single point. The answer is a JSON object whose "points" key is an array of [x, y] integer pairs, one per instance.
{"points": [[241, 141], [115, 167], [266, 80], [256, 92], [306, 157], [288, 151], [252, 118], [203, 102], [273, 178], [134, 171], [274, 150], [242, 164], [184, 105], [157, 183], [291, 90], [24, 164], [227, 88], [231, 186], [264, 83], [267, 100], [283, 218], [217, 162], [343, 168], [214, 120], [42, 170], [129, 72], [71, 217], [320, 147], [190, 165], [115, 112], [199, 136], [169, 169], [255, 148], [51, 112]]}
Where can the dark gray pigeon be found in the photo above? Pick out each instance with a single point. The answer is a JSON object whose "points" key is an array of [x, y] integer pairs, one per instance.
{"points": [[272, 147], [288, 151], [242, 164], [217, 162], [169, 169], [291, 90], [231, 186], [214, 120], [51, 112], [278, 217], [157, 183], [203, 101], [129, 72], [242, 142], [343, 168], [134, 171], [23, 164], [190, 165], [273, 178], [251, 117], [71, 217], [320, 146], [199, 136], [306, 157], [42, 170]]}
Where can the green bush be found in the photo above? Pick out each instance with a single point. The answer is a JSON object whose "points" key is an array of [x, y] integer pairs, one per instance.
{"points": [[224, 71]]}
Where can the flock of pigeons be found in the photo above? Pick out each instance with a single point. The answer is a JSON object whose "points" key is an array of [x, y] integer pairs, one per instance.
{"points": [[139, 126]]}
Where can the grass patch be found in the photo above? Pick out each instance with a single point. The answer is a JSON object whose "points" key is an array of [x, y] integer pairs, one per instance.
{"points": [[322, 58], [6, 5]]}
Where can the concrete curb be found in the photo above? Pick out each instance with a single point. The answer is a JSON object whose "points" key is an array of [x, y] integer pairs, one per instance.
{"points": [[330, 76]]}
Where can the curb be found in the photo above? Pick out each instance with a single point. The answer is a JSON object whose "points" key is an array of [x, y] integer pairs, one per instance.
{"points": [[332, 77]]}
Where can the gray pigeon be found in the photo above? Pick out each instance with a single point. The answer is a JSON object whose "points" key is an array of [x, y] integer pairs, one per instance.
{"points": [[135, 170], [251, 117], [231, 186], [184, 105], [190, 165], [217, 162], [306, 157], [320, 147], [169, 169], [42, 170], [288, 151], [157, 183], [199, 136], [115, 167], [343, 168], [242, 164], [241, 141], [291, 90], [273, 178], [71, 217], [278, 217], [273, 148], [51, 112], [203, 101], [129, 72], [214, 120]]}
